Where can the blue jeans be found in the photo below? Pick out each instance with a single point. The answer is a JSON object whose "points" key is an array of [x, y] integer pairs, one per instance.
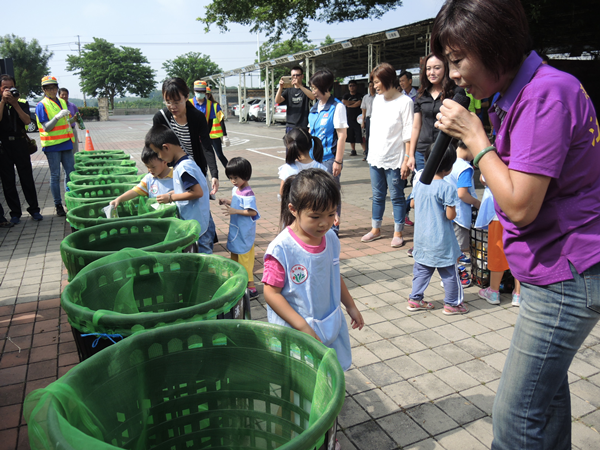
{"points": [[532, 409], [419, 161], [55, 159], [329, 166], [381, 180], [207, 240]]}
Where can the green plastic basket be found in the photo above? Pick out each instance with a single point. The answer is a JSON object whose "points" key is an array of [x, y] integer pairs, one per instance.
{"points": [[108, 152], [138, 209], [92, 194], [166, 235], [102, 180], [91, 156], [105, 163], [102, 170], [213, 385], [132, 290]]}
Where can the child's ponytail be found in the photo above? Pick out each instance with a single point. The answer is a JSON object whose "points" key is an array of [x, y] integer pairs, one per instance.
{"points": [[317, 149], [286, 218]]}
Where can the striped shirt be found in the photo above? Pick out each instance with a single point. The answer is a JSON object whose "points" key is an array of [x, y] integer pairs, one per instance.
{"points": [[183, 134]]}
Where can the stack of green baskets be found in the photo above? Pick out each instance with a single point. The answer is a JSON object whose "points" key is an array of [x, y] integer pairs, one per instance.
{"points": [[166, 235], [92, 194], [105, 163], [210, 385], [138, 209], [86, 171], [91, 156], [101, 180], [132, 290]]}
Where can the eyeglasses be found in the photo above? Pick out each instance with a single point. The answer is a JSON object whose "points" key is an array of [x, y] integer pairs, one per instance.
{"points": [[295, 75], [174, 103]]}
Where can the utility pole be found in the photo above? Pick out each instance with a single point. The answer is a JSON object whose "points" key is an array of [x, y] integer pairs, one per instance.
{"points": [[79, 46]]}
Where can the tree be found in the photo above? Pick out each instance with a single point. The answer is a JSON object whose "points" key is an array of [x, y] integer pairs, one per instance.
{"points": [[191, 67], [270, 51], [108, 71], [327, 41], [30, 62], [278, 16]]}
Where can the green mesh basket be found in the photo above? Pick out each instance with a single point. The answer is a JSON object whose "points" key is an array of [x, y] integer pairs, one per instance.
{"points": [[226, 384], [139, 209], [166, 235], [92, 156], [102, 180], [91, 194], [132, 290], [107, 152], [102, 170], [105, 163]]}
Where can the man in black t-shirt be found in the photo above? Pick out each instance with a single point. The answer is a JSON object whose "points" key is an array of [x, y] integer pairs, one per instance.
{"points": [[297, 98], [353, 100]]}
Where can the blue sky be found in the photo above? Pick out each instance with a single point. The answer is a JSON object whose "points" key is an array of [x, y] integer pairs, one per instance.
{"points": [[172, 23]]}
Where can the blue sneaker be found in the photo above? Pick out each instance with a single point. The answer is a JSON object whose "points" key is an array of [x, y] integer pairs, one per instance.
{"points": [[464, 259], [15, 220], [37, 216]]}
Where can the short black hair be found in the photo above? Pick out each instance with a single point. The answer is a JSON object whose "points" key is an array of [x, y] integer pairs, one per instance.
{"points": [[159, 135], [174, 88], [7, 77], [239, 167], [405, 73], [352, 82], [322, 80], [448, 159], [61, 90], [297, 68], [148, 155]]}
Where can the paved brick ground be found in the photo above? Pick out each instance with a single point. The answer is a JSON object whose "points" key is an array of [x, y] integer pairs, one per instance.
{"points": [[419, 381]]}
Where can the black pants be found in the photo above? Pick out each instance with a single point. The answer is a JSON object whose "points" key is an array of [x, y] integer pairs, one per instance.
{"points": [[15, 153]]}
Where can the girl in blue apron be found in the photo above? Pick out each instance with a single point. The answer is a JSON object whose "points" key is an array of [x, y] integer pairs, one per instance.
{"points": [[303, 286]]}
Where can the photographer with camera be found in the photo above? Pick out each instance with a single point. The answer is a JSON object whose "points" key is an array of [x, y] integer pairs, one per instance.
{"points": [[14, 151]]}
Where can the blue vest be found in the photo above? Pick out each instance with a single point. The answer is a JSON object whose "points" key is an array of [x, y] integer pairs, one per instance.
{"points": [[242, 229], [312, 287], [199, 208], [321, 126], [158, 186], [463, 210]]}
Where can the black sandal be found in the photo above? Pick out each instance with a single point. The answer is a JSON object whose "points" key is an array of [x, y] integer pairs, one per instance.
{"points": [[6, 224]]}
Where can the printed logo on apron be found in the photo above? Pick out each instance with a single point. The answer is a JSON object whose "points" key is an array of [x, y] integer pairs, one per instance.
{"points": [[298, 274]]}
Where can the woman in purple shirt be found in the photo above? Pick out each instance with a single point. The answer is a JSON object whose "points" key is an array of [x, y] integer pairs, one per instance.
{"points": [[544, 172]]}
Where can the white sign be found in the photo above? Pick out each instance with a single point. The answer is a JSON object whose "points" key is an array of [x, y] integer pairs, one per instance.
{"points": [[392, 34], [346, 44]]}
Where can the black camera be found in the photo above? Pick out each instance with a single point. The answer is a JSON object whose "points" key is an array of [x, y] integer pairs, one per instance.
{"points": [[14, 91]]}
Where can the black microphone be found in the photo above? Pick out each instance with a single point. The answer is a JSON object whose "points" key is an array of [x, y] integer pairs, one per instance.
{"points": [[441, 144]]}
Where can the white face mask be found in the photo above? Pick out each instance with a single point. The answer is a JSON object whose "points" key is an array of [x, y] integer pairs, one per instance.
{"points": [[200, 95]]}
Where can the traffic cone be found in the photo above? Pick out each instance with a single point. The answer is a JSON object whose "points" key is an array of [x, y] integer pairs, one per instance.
{"points": [[89, 145]]}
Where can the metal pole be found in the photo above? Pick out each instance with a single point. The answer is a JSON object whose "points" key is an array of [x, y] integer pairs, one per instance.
{"points": [[79, 46], [224, 106], [272, 88], [267, 98], [240, 98]]}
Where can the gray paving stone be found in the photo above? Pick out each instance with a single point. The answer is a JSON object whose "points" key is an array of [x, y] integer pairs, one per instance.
{"points": [[432, 419], [380, 374], [494, 340], [361, 356], [369, 436], [506, 333], [365, 336], [404, 394], [376, 403], [430, 360], [409, 324], [459, 439], [387, 330], [456, 378], [482, 430], [429, 320], [590, 356], [580, 407], [480, 370], [495, 360], [357, 382], [582, 369], [402, 429], [352, 414], [384, 350], [452, 353], [430, 338], [431, 386], [407, 344], [586, 390], [28, 298], [371, 317], [14, 283], [452, 332], [584, 437], [389, 312], [406, 367], [481, 396], [459, 409], [345, 443], [475, 347], [472, 327], [427, 444], [29, 289]]}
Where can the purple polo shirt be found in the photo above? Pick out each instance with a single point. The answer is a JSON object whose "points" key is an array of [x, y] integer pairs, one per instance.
{"points": [[551, 129], [73, 110]]}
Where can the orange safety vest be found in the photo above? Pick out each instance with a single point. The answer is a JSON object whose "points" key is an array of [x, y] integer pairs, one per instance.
{"points": [[62, 131], [216, 132]]}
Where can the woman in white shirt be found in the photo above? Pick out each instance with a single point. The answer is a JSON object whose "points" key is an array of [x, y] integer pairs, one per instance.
{"points": [[389, 142]]}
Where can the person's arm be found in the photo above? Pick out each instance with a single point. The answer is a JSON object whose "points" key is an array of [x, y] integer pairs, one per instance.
{"points": [[351, 309], [364, 114], [519, 195], [342, 134], [229, 211], [355, 104], [450, 212], [206, 145], [414, 139], [129, 195], [278, 97], [283, 309], [465, 196], [281, 187], [407, 117], [191, 194], [310, 94], [23, 112]]}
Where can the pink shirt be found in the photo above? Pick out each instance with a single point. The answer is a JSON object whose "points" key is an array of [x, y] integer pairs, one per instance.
{"points": [[274, 274], [550, 128]]}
